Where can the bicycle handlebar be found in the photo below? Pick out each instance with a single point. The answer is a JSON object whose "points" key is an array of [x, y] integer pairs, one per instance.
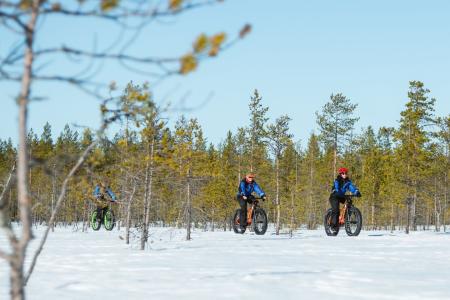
{"points": [[109, 201], [254, 198], [352, 196]]}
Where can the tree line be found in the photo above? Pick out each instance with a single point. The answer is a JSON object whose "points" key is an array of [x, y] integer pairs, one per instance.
{"points": [[173, 177]]}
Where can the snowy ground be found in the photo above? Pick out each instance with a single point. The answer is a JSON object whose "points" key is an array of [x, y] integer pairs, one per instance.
{"points": [[223, 265]]}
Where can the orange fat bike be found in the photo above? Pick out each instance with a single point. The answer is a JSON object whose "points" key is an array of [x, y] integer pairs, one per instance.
{"points": [[349, 216], [256, 217]]}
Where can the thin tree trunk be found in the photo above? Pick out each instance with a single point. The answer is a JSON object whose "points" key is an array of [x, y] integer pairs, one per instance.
{"points": [[437, 211], [408, 215], [335, 149], [181, 212], [212, 220], [53, 192], [239, 168], [413, 208], [277, 196], [19, 248], [16, 279], [148, 197], [128, 221], [445, 200], [85, 218], [372, 214], [188, 208], [392, 217], [252, 152], [5, 218], [311, 218], [292, 214]]}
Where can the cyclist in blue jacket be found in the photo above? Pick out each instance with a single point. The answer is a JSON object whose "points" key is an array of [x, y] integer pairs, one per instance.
{"points": [[245, 195], [342, 184], [102, 194]]}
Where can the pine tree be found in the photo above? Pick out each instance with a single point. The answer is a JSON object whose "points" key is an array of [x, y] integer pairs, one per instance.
{"points": [[279, 137], [151, 136], [257, 131], [389, 191], [443, 165], [230, 167], [371, 175], [336, 122], [188, 142], [290, 186], [311, 165], [240, 140], [412, 137]]}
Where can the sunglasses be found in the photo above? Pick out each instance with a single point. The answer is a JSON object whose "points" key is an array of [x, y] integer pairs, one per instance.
{"points": [[343, 173]]}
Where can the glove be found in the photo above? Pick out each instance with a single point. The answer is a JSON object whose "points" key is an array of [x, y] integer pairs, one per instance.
{"points": [[264, 198], [358, 194]]}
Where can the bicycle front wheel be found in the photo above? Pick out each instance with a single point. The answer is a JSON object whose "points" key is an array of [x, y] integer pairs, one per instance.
{"points": [[109, 220], [353, 221], [260, 221]]}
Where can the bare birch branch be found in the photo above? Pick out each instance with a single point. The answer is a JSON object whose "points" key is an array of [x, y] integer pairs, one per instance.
{"points": [[57, 206]]}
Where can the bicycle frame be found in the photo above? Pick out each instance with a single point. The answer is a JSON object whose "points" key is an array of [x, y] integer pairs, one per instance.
{"points": [[251, 210], [250, 213], [343, 210]]}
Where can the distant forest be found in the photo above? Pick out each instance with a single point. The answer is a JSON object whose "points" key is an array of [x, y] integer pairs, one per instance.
{"points": [[402, 172]]}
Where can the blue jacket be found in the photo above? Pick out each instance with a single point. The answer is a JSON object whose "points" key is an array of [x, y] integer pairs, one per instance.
{"points": [[98, 193], [347, 186], [246, 189]]}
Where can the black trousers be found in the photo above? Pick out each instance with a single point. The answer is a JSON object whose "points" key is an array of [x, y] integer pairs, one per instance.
{"points": [[334, 202], [243, 204], [101, 212]]}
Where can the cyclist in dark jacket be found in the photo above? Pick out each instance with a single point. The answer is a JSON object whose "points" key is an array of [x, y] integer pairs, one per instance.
{"points": [[342, 184], [245, 195]]}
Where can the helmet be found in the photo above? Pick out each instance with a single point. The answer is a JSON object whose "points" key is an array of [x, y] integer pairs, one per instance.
{"points": [[343, 170]]}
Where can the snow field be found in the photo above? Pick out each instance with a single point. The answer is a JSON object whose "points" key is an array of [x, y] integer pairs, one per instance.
{"points": [[223, 265]]}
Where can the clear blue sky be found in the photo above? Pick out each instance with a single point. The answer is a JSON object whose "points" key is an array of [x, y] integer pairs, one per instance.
{"points": [[298, 53]]}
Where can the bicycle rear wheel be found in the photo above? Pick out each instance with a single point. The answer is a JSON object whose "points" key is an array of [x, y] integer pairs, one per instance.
{"points": [[236, 223], [327, 224], [96, 223], [353, 221]]}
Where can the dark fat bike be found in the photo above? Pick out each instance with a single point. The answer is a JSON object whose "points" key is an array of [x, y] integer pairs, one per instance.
{"points": [[106, 218], [256, 217], [349, 216]]}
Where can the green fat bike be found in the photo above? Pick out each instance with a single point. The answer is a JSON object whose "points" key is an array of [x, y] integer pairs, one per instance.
{"points": [[104, 216]]}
